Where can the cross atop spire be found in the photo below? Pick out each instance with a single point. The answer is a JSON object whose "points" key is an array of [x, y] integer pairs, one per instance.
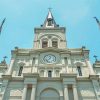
{"points": [[49, 21], [49, 9]]}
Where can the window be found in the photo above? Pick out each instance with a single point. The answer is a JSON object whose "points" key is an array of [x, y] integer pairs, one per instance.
{"points": [[42, 73], [44, 44], [79, 70], [54, 44], [49, 73], [49, 22], [65, 59], [20, 71], [57, 73], [33, 62]]}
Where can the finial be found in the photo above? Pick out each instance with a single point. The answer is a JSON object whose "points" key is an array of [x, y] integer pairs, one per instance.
{"points": [[49, 9], [4, 61], [95, 57], [83, 47], [16, 48], [5, 57]]}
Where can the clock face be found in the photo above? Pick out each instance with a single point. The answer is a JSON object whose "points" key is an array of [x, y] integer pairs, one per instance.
{"points": [[49, 58]]}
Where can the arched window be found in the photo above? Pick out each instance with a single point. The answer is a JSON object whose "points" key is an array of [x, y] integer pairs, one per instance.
{"points": [[57, 73], [20, 71], [79, 70], [65, 59], [50, 21], [79, 65], [44, 43], [33, 62], [54, 43], [49, 73], [42, 73]]}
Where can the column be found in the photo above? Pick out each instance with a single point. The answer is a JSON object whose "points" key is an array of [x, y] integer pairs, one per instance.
{"points": [[24, 92], [11, 66], [96, 88], [36, 60], [66, 96], [45, 72], [75, 94], [66, 64], [63, 61], [5, 85], [67, 68], [91, 71], [49, 43], [53, 73], [31, 61], [33, 64], [36, 64], [33, 92], [69, 61]]}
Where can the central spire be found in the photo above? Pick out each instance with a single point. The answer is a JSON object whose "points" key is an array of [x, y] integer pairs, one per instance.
{"points": [[50, 16], [49, 21]]}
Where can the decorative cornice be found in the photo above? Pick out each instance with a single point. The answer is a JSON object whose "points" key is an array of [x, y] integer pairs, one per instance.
{"points": [[96, 77], [49, 79], [38, 30], [68, 75], [27, 52], [7, 77], [30, 75]]}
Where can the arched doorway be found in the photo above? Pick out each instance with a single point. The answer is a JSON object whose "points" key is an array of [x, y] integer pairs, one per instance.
{"points": [[49, 94]]}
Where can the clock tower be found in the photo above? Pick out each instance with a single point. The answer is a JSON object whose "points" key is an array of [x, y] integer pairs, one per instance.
{"points": [[50, 35], [50, 40]]}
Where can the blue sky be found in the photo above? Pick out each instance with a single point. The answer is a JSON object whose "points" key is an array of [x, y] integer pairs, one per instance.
{"points": [[23, 15]]}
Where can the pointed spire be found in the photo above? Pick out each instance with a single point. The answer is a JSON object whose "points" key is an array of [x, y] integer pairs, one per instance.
{"points": [[49, 21], [50, 16]]}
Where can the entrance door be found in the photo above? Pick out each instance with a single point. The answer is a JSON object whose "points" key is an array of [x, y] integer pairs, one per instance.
{"points": [[49, 94]]}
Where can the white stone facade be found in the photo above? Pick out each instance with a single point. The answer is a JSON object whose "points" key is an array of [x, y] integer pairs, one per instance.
{"points": [[50, 70]]}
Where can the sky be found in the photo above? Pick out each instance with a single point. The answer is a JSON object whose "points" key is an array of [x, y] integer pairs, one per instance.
{"points": [[22, 16]]}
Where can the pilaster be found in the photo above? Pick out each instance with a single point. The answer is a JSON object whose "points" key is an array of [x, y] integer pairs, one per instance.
{"points": [[66, 95], [75, 93], [33, 92], [69, 79], [94, 79], [5, 83], [24, 92], [32, 80], [11, 66], [91, 71]]}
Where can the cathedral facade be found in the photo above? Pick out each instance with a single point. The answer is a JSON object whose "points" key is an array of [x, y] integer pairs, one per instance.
{"points": [[50, 70]]}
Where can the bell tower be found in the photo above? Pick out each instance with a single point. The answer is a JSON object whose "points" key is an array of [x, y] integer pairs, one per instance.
{"points": [[50, 34]]}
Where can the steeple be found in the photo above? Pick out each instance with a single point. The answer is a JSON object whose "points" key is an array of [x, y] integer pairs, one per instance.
{"points": [[50, 35], [49, 21]]}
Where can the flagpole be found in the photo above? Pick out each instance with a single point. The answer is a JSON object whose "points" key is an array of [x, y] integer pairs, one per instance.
{"points": [[97, 20], [1, 26]]}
